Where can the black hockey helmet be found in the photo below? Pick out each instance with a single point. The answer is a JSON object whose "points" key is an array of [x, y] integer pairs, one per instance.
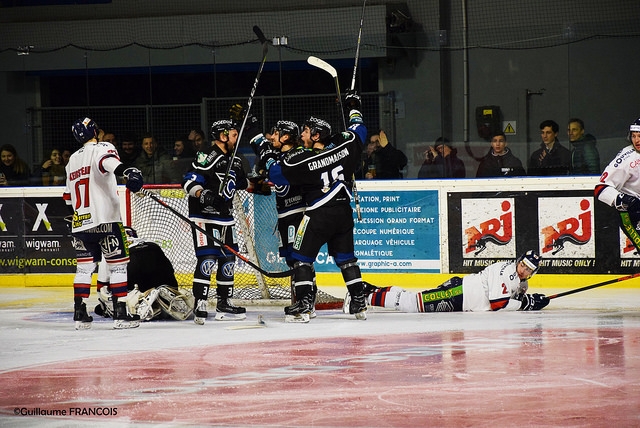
{"points": [[220, 126], [318, 126], [286, 127], [84, 130], [531, 259]]}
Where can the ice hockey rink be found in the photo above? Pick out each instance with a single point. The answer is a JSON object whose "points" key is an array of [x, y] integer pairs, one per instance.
{"points": [[574, 364]]}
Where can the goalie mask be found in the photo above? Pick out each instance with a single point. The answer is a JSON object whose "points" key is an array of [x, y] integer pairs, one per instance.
{"points": [[530, 259]]}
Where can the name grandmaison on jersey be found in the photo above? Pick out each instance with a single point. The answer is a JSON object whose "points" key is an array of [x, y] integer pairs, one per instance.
{"points": [[329, 160]]}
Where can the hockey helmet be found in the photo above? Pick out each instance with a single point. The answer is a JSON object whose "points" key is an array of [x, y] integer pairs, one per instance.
{"points": [[286, 127], [634, 127], [530, 259], [84, 130], [222, 126], [318, 126]]}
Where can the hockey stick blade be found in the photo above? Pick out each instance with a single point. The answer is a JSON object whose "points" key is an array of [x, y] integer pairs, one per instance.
{"points": [[589, 287], [323, 65], [284, 274], [260, 34]]}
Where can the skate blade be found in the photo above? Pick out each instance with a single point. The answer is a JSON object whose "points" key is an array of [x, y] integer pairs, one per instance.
{"points": [[361, 315], [225, 316], [124, 324], [81, 325], [300, 318], [199, 321]]}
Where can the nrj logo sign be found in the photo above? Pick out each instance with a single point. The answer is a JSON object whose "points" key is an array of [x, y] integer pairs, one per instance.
{"points": [[487, 227], [566, 227]]}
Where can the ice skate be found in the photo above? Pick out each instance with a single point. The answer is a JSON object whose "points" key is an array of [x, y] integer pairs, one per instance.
{"points": [[300, 311], [356, 301], [80, 316], [200, 313], [122, 319], [226, 311]]}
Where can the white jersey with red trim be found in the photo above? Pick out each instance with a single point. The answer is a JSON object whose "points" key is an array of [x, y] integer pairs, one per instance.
{"points": [[621, 175], [492, 288], [92, 189]]}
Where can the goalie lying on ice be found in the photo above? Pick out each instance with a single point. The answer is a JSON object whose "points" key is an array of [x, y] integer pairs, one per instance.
{"points": [[153, 289], [501, 285]]}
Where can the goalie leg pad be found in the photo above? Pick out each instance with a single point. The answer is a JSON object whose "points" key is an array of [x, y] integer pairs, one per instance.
{"points": [[175, 303]]}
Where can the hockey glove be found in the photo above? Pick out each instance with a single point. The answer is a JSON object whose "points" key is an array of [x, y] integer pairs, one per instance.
{"points": [[267, 159], [626, 202], [533, 302], [259, 186], [134, 179], [236, 113], [352, 100], [209, 198], [259, 144]]}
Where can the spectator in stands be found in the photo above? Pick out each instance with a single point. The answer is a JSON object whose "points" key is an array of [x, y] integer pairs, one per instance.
{"points": [[500, 161], [128, 152], [52, 170], [198, 140], [66, 154], [13, 170], [110, 137], [585, 159], [155, 163], [183, 154], [552, 158], [441, 161], [381, 160]]}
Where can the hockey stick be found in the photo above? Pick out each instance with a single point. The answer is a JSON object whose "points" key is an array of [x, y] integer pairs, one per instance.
{"points": [[323, 65], [284, 274], [265, 49], [355, 65], [588, 287]]}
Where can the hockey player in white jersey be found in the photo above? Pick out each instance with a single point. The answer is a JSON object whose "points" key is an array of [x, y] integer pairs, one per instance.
{"points": [[96, 226], [619, 185], [501, 285]]}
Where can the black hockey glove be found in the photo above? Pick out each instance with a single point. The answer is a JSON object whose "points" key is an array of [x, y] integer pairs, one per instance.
{"points": [[209, 199], [533, 302], [267, 159], [352, 100], [259, 144], [236, 113], [134, 179], [627, 203]]}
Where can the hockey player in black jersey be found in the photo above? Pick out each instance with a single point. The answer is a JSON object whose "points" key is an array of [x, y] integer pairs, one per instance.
{"points": [[290, 204], [324, 175], [211, 208]]}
